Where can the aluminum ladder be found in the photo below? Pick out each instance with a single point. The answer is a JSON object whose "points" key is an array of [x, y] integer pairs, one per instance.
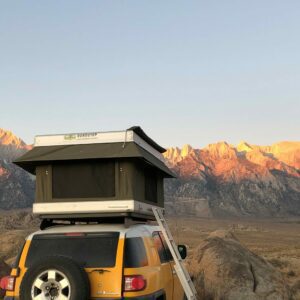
{"points": [[179, 266]]}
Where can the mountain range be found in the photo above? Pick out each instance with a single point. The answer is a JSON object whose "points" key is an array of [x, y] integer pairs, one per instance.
{"points": [[243, 180], [220, 180], [16, 185]]}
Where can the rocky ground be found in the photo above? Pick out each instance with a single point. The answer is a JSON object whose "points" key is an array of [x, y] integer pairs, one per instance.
{"points": [[228, 259], [247, 276], [14, 227], [242, 259]]}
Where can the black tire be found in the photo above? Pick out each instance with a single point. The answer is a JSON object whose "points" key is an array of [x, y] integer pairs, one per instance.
{"points": [[77, 277]]}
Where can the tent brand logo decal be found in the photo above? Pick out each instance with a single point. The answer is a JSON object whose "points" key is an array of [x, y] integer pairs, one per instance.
{"points": [[80, 136], [70, 137], [87, 135]]}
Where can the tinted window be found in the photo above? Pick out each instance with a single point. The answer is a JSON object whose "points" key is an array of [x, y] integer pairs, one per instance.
{"points": [[90, 179], [90, 251], [150, 185], [160, 247], [135, 253], [168, 252]]}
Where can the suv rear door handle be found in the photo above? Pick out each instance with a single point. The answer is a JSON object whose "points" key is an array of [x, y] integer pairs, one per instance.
{"points": [[100, 271]]}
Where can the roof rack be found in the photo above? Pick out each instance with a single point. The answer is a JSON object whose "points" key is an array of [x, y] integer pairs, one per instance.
{"points": [[128, 219]]}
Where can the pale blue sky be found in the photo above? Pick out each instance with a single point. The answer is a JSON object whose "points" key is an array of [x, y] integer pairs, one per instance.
{"points": [[192, 72]]}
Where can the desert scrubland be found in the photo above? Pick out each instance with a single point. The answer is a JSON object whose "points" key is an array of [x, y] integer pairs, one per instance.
{"points": [[276, 241]]}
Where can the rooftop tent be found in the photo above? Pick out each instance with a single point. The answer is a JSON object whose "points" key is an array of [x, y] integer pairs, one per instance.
{"points": [[96, 173]]}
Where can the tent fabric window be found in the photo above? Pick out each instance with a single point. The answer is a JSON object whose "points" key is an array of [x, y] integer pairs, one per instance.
{"points": [[150, 185], [88, 179]]}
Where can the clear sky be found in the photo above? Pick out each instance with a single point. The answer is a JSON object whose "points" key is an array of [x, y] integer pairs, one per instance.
{"points": [[192, 72]]}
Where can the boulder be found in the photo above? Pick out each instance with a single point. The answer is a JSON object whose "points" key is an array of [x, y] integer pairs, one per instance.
{"points": [[223, 269]]}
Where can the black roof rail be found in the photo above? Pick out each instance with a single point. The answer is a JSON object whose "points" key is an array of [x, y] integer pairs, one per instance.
{"points": [[128, 220]]}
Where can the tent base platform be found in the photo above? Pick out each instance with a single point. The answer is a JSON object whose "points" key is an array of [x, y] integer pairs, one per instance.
{"points": [[93, 208]]}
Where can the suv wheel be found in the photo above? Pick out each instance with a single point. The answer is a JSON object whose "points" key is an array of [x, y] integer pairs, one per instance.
{"points": [[52, 284], [55, 278]]}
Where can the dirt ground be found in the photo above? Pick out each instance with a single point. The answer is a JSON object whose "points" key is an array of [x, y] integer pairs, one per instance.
{"points": [[278, 241]]}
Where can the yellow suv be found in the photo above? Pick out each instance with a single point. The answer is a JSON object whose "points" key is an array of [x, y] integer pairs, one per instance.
{"points": [[79, 262]]}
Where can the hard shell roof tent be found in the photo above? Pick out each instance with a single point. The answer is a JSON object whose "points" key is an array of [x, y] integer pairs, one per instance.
{"points": [[84, 175]]}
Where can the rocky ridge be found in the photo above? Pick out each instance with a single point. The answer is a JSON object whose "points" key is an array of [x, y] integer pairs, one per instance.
{"points": [[16, 185], [246, 180], [216, 181]]}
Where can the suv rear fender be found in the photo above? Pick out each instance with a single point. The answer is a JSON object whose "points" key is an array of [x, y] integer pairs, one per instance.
{"points": [[19, 271], [155, 274]]}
